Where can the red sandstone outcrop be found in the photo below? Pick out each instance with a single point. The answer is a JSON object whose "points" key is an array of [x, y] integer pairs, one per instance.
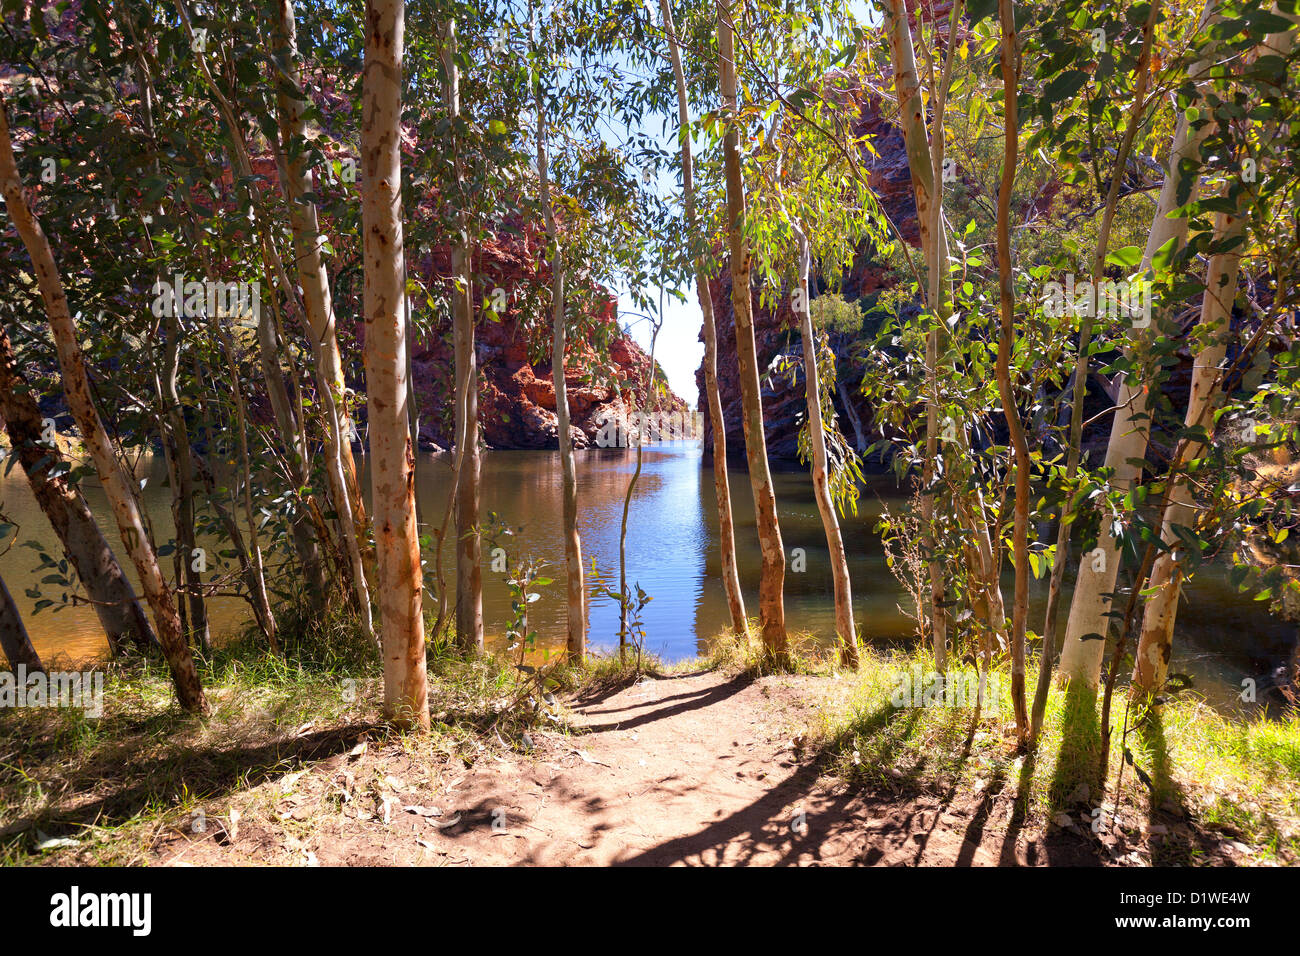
{"points": [[516, 390]]}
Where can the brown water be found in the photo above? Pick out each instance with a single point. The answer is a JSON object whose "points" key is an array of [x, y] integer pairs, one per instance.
{"points": [[672, 553]]}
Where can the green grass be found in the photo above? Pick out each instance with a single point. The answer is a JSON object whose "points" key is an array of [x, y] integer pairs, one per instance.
{"points": [[747, 655], [112, 783], [1235, 775]]}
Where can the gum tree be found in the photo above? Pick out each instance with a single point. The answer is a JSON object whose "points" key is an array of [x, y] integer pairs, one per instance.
{"points": [[575, 586], [1010, 57], [721, 483], [406, 694], [771, 599], [110, 592], [112, 476], [14, 642], [469, 570], [317, 300], [1233, 213], [1057, 124], [1084, 645]]}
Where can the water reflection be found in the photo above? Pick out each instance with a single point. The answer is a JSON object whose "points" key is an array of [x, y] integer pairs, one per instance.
{"points": [[672, 553]]}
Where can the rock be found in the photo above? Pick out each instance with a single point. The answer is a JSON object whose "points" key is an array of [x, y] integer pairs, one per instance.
{"points": [[605, 371]]}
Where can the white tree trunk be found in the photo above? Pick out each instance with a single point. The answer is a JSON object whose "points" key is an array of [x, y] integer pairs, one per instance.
{"points": [[924, 166], [392, 469], [1077, 386], [721, 484], [844, 624], [318, 307], [469, 559], [1155, 645], [1086, 631], [576, 588]]}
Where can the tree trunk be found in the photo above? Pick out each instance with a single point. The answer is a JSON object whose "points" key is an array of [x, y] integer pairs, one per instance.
{"points": [[1089, 623], [183, 493], [721, 484], [392, 468], [624, 596], [231, 526], [1006, 285], [821, 482], [256, 575], [907, 86], [859, 438], [176, 443], [289, 420], [576, 586], [469, 554], [112, 477], [15, 643], [1155, 644], [1079, 377], [771, 599], [107, 586], [319, 309], [1151, 662], [925, 166]]}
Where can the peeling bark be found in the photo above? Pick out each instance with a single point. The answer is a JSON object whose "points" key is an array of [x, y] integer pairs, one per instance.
{"points": [[392, 469]]}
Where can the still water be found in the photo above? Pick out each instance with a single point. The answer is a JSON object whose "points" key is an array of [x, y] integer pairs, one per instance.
{"points": [[672, 554]]}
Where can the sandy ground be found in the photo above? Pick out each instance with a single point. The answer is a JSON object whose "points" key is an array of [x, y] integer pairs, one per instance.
{"points": [[699, 769]]}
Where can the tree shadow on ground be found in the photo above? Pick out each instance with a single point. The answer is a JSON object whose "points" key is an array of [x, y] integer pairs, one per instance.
{"points": [[1076, 777], [134, 777], [1172, 842], [830, 827], [607, 688], [691, 700]]}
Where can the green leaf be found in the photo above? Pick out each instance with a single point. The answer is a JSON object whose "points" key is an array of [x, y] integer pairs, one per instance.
{"points": [[1064, 86], [1126, 258]]}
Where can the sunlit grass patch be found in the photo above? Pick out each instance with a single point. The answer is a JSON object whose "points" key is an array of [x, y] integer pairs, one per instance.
{"points": [[1235, 775], [806, 654], [144, 766]]}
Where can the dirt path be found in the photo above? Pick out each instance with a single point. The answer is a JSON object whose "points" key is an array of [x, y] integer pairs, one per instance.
{"points": [[692, 769], [702, 770]]}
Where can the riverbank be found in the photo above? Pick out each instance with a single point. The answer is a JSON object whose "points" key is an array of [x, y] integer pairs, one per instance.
{"points": [[673, 512], [709, 761]]}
